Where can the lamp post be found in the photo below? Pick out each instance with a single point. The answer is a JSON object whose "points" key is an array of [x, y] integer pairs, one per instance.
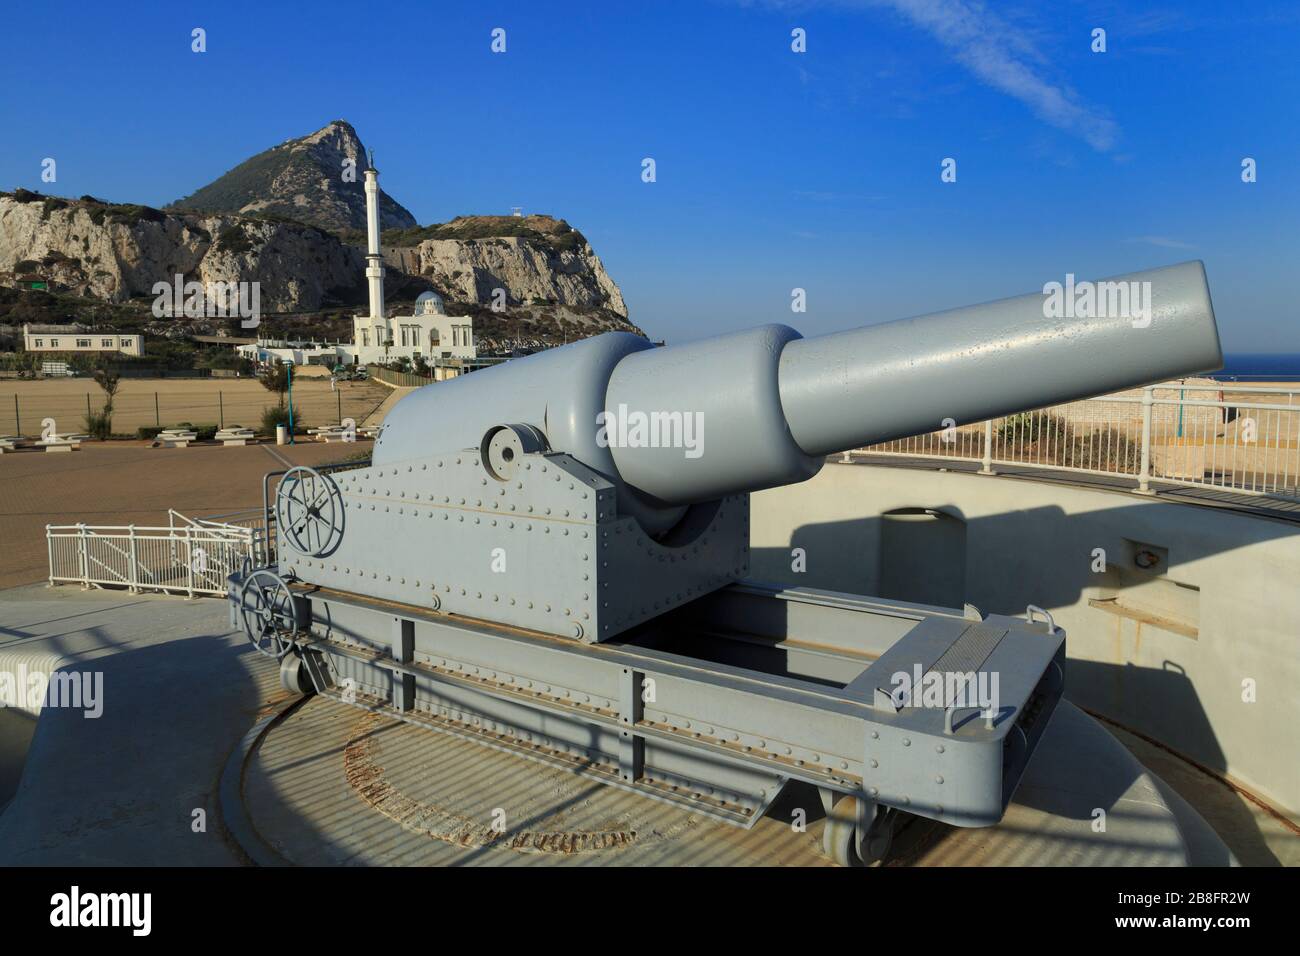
{"points": [[289, 372]]}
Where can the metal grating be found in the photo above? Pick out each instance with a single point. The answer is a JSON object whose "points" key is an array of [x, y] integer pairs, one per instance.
{"points": [[970, 650]]}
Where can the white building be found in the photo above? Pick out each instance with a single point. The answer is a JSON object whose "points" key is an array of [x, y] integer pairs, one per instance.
{"points": [[444, 341], [72, 338], [429, 333], [298, 353]]}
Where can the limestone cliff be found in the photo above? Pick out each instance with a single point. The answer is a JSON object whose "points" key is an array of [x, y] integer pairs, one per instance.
{"points": [[534, 259], [117, 252]]}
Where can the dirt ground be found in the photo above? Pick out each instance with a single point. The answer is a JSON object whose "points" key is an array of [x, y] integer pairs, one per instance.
{"points": [[128, 482], [170, 401]]}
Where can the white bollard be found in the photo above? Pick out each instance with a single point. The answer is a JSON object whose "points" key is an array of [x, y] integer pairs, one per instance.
{"points": [[282, 434]]}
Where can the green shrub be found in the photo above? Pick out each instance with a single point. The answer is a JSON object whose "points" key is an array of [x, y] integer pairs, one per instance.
{"points": [[147, 432], [272, 417], [234, 239], [98, 425], [51, 204], [132, 213]]}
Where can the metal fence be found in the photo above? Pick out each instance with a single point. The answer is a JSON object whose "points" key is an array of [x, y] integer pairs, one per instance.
{"points": [[25, 406], [450, 367], [1240, 438], [186, 557], [400, 379], [261, 522]]}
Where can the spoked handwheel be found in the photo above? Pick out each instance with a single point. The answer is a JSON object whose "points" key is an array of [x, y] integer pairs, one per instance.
{"points": [[309, 511], [858, 833], [269, 613]]}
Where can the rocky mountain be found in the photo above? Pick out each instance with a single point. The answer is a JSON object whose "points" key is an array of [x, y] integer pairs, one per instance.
{"points": [[116, 252], [286, 220], [535, 259], [317, 179]]}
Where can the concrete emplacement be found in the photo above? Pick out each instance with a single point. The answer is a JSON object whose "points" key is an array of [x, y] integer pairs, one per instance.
{"points": [[316, 783]]}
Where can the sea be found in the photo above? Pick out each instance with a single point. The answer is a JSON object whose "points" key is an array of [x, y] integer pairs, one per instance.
{"points": [[1259, 367]]}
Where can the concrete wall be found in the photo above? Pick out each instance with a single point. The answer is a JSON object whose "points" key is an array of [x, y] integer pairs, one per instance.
{"points": [[1193, 605]]}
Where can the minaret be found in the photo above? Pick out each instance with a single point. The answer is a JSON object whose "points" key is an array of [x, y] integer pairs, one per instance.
{"points": [[374, 258]]}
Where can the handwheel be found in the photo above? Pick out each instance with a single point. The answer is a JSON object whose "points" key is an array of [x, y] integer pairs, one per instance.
{"points": [[855, 835], [309, 511], [269, 613]]}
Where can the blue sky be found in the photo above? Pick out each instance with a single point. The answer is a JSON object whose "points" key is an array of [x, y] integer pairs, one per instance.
{"points": [[775, 170]]}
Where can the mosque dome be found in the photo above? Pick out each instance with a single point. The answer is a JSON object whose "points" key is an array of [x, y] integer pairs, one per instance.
{"points": [[429, 303]]}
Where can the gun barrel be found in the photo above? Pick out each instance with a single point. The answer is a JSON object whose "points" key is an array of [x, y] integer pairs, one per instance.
{"points": [[903, 378], [763, 407]]}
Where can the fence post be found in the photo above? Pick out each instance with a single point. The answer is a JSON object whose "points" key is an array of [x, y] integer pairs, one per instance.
{"points": [[134, 561], [18, 425], [189, 560], [987, 465], [1144, 476], [221, 410], [157, 419], [85, 564], [49, 545]]}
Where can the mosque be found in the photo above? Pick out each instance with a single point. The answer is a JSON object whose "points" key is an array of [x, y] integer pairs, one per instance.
{"points": [[430, 333]]}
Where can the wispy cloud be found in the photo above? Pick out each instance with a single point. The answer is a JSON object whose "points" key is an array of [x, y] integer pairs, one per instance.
{"points": [[1000, 55], [1007, 56], [1164, 242]]}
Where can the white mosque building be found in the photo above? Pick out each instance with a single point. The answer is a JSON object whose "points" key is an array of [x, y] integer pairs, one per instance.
{"points": [[430, 333], [445, 342]]}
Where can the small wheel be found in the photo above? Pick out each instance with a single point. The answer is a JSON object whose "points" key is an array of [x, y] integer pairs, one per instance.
{"points": [[293, 675], [309, 511], [857, 836], [269, 613]]}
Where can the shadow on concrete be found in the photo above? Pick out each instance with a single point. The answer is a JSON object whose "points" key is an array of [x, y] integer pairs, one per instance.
{"points": [[901, 556], [136, 785]]}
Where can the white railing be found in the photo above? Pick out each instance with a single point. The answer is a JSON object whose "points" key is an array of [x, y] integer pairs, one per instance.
{"points": [[1239, 438], [250, 519], [187, 557]]}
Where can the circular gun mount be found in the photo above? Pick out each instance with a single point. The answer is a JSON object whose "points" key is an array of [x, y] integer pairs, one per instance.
{"points": [[309, 511], [269, 613]]}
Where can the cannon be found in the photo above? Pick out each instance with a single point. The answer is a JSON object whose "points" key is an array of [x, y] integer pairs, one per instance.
{"points": [[551, 557]]}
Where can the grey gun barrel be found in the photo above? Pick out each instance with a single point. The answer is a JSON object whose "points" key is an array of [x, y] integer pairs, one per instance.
{"points": [[689, 424], [903, 378]]}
